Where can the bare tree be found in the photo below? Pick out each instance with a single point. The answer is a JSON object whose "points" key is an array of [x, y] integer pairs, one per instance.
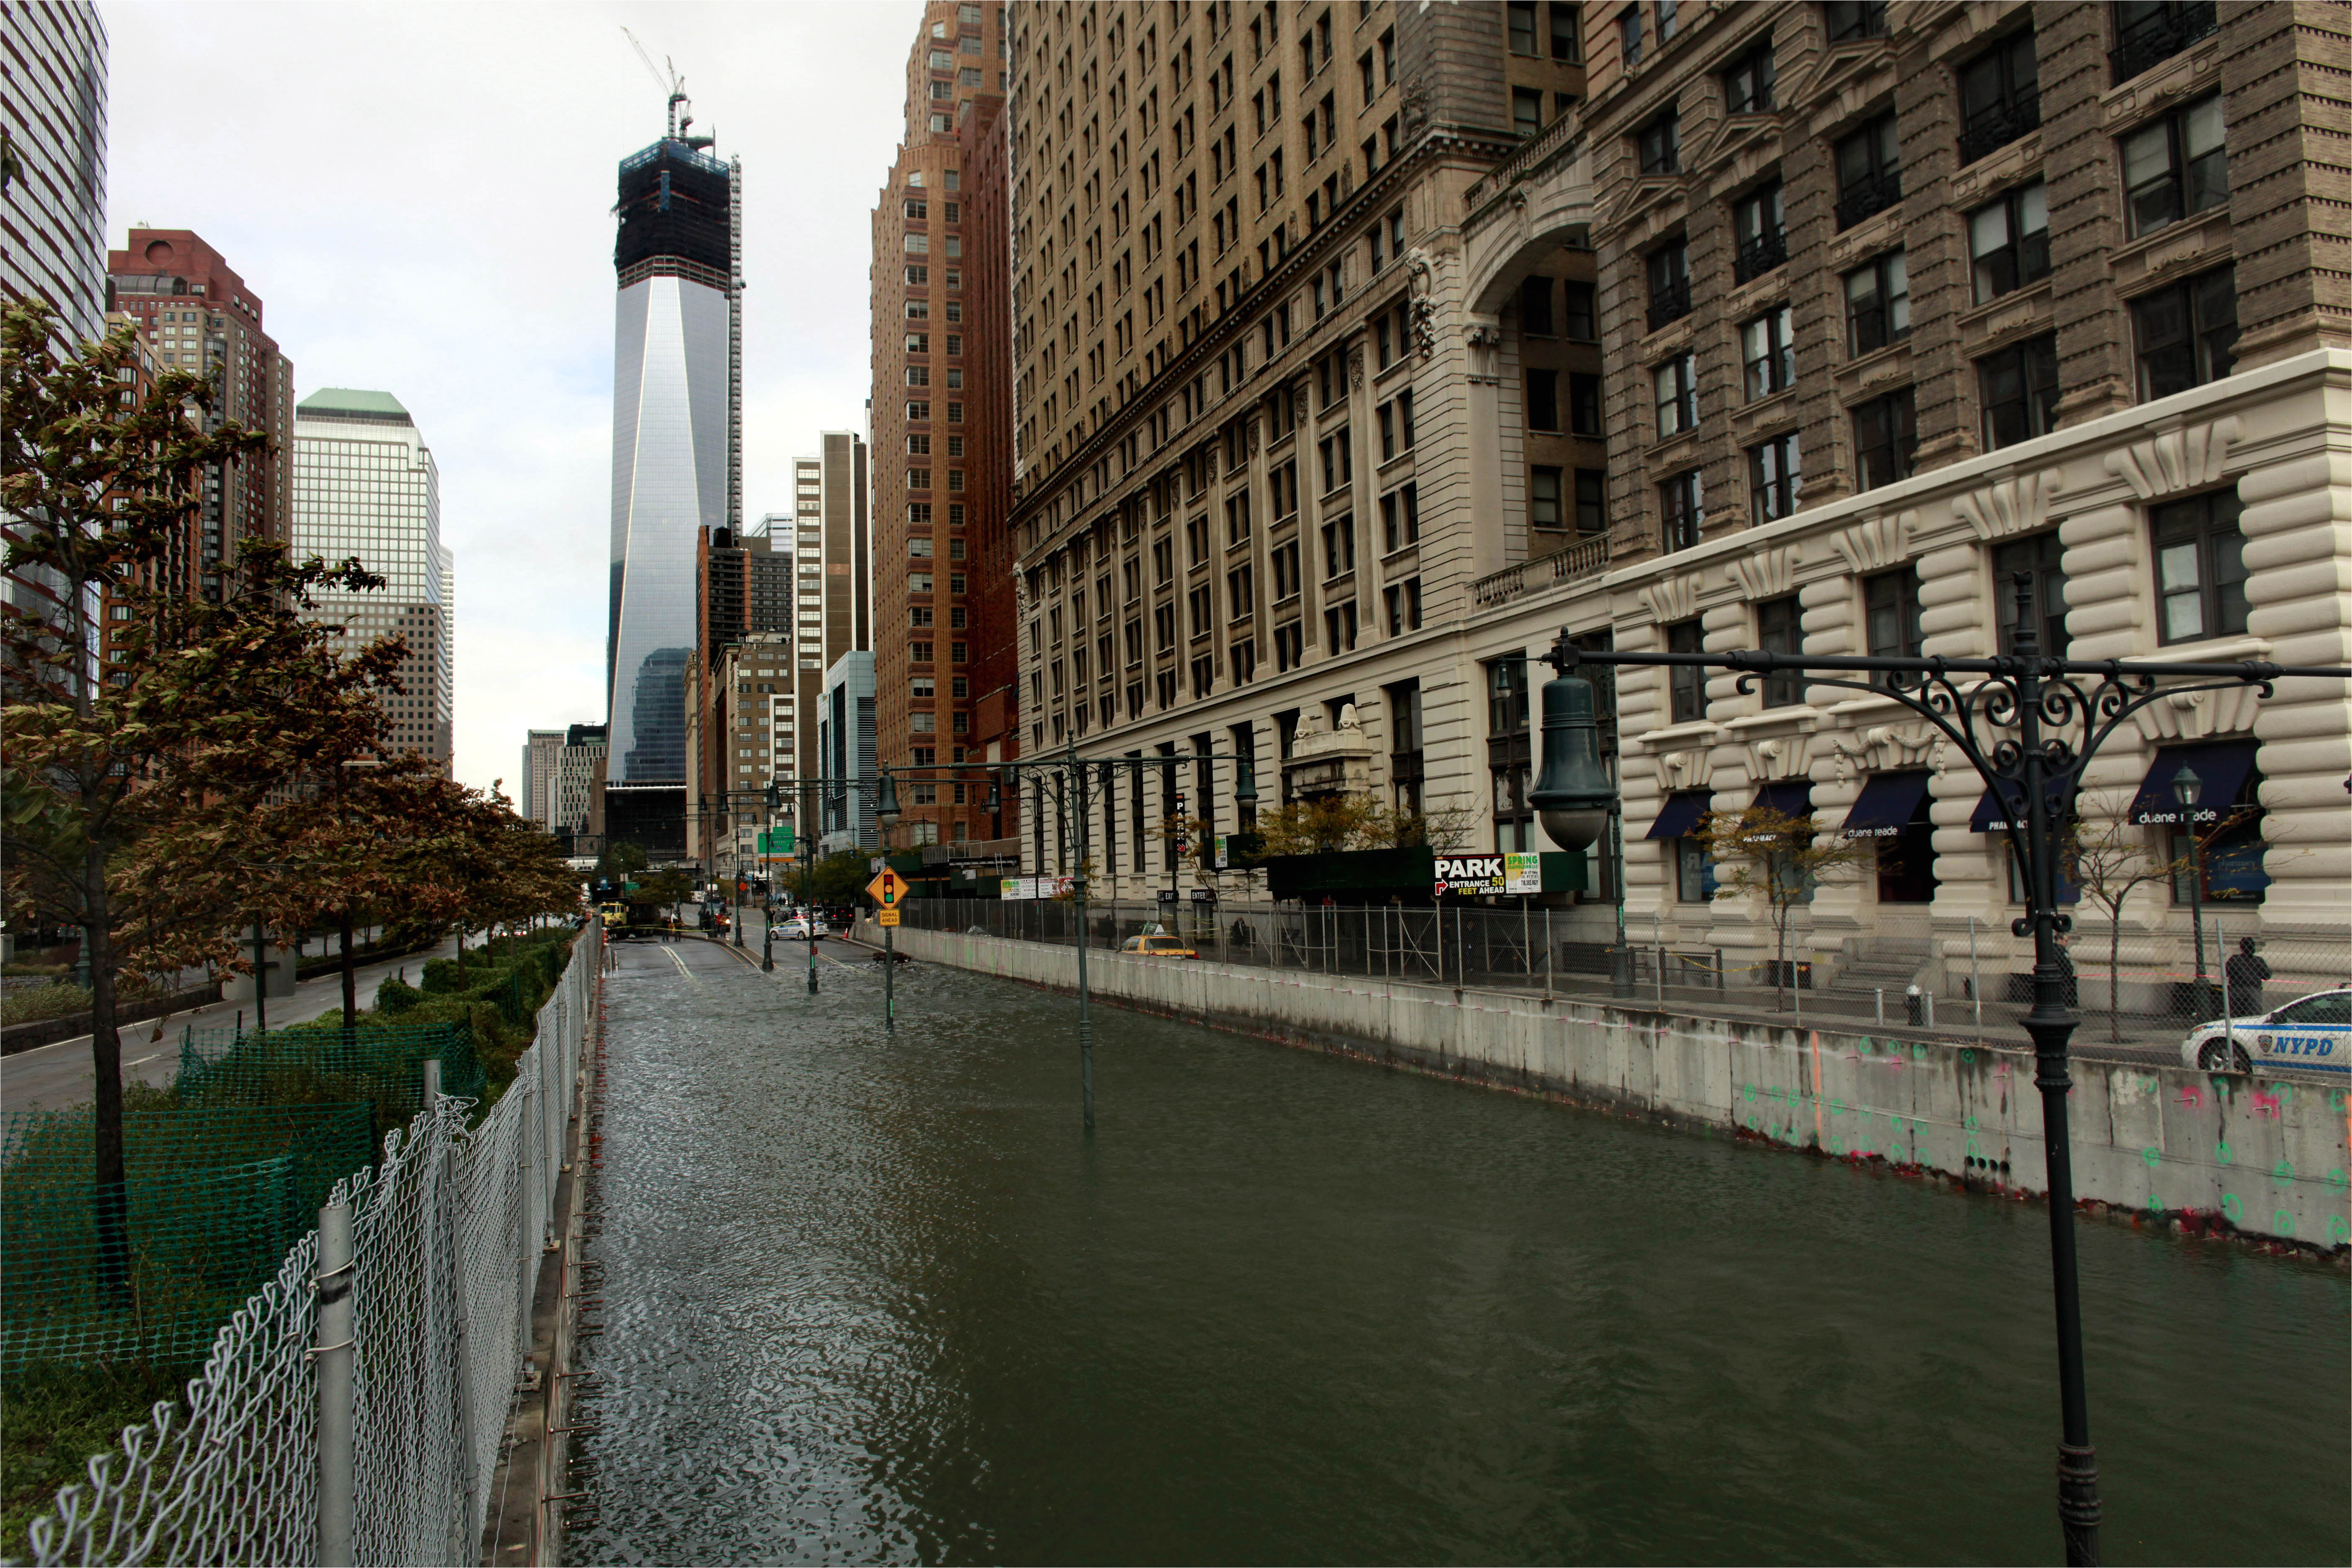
{"points": [[1782, 857]]}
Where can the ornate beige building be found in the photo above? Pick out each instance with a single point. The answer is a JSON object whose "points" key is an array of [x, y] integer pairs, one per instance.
{"points": [[1895, 300]]}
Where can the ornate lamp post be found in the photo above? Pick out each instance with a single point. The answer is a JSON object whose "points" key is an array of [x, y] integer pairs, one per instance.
{"points": [[2187, 788], [768, 908], [2029, 723], [885, 815]]}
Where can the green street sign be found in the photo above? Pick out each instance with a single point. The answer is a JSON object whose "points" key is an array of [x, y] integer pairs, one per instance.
{"points": [[776, 840]]}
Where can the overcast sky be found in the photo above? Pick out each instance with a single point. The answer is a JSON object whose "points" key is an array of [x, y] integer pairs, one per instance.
{"points": [[421, 195]]}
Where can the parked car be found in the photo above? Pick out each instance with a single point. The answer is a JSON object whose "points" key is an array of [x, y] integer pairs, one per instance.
{"points": [[2311, 1034], [1158, 946]]}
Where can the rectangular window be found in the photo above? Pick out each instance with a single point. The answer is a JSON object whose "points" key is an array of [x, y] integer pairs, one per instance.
{"points": [[1891, 614], [2001, 98], [2176, 166], [1507, 697], [1779, 629], [1877, 305], [1543, 498], [1629, 36], [1340, 627], [1693, 872], [1591, 501], [1748, 85], [1760, 231], [2018, 387], [1669, 276], [1526, 110], [1685, 683], [2187, 333], [1679, 510], [1534, 307], [2200, 571], [1885, 439], [1400, 518], [2043, 559], [1660, 145], [1768, 351], [1773, 478], [1584, 404], [2009, 242], [1869, 171], [1582, 318], [1403, 602], [1677, 384], [2148, 32], [1520, 15], [1543, 400], [1848, 20]]}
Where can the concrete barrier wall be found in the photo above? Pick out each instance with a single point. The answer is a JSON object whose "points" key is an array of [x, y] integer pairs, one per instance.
{"points": [[2267, 1154]]}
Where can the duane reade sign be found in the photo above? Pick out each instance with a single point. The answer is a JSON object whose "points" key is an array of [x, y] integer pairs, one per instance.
{"points": [[1514, 873]]}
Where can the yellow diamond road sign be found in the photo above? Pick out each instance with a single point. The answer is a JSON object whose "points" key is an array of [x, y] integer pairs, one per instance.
{"points": [[887, 889]]}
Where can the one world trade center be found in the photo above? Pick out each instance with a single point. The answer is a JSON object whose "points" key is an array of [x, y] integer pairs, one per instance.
{"points": [[676, 454]]}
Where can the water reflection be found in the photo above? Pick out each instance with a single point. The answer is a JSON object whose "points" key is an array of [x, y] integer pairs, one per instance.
{"points": [[876, 1298]]}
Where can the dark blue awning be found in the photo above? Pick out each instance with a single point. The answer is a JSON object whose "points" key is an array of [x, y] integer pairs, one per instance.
{"points": [[2220, 768], [1886, 804], [1991, 816], [1680, 814], [1790, 797]]}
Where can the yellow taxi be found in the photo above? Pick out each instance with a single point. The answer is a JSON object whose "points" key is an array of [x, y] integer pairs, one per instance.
{"points": [[1159, 947]]}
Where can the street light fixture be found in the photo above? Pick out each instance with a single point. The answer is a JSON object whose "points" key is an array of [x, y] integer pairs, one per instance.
{"points": [[2029, 723], [2188, 788]]}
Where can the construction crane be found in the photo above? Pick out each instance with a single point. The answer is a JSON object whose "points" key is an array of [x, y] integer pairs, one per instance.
{"points": [[680, 116]]}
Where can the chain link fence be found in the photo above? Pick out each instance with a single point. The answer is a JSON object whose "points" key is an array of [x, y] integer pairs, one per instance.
{"points": [[449, 1230], [2142, 993]]}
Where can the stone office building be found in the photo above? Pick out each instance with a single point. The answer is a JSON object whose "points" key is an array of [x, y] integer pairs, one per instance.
{"points": [[1897, 300]]}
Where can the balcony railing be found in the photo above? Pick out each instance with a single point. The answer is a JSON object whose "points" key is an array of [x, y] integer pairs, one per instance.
{"points": [[1585, 558], [2160, 36], [1671, 304], [1996, 127], [1760, 255], [1538, 148], [1871, 194]]}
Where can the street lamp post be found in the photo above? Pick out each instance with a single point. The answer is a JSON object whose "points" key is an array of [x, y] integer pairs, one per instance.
{"points": [[2029, 723], [768, 908], [2187, 788], [886, 816]]}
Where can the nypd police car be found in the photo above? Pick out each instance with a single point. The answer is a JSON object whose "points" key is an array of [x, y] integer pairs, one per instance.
{"points": [[2313, 1034]]}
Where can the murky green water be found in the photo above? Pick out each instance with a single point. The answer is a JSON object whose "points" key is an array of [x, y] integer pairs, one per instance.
{"points": [[876, 1298]]}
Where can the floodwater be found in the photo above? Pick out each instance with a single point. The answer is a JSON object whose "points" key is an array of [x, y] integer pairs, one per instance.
{"points": [[876, 1297]]}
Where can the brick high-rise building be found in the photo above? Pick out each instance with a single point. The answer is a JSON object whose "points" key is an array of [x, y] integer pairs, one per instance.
{"points": [[926, 278], [200, 316], [1898, 300]]}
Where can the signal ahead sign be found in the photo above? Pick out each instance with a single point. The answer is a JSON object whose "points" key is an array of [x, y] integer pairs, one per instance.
{"points": [[886, 889]]}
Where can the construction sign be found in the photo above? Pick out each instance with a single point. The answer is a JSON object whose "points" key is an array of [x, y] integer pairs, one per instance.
{"points": [[886, 889]]}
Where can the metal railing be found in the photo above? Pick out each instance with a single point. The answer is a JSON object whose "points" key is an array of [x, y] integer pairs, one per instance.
{"points": [[2159, 35], [1995, 127], [1870, 195], [2138, 997], [1537, 149], [1670, 303], [1759, 255]]}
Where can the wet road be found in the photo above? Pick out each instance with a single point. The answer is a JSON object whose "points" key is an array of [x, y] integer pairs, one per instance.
{"points": [[876, 1297]]}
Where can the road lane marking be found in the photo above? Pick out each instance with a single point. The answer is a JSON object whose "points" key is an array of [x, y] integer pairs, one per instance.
{"points": [[671, 953]]}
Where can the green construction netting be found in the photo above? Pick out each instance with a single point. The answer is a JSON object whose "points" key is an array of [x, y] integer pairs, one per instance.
{"points": [[382, 1066], [215, 1196]]}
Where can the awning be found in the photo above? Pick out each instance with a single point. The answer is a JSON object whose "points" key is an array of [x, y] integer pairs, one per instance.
{"points": [[1886, 804], [1680, 815], [2220, 768], [1991, 816], [1790, 797]]}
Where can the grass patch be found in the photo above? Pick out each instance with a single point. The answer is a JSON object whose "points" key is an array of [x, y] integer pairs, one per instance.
{"points": [[52, 1422]]}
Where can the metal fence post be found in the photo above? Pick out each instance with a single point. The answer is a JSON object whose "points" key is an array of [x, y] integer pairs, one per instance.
{"points": [[330, 1356], [1976, 981]]}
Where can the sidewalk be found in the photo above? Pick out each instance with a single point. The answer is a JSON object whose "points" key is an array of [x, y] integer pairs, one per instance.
{"points": [[54, 1075]]}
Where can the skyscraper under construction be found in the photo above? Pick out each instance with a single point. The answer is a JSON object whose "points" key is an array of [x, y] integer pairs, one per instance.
{"points": [[677, 453]]}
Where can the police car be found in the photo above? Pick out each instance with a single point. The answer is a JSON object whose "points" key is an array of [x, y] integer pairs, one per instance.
{"points": [[2313, 1034]]}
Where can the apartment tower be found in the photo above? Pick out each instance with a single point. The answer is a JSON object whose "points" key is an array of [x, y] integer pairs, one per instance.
{"points": [[928, 277], [832, 580], [366, 486], [53, 214], [200, 316]]}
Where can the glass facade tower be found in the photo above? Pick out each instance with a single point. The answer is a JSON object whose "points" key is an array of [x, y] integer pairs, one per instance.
{"points": [[677, 440]]}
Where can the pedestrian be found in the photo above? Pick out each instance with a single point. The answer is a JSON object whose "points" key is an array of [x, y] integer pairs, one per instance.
{"points": [[2066, 969], [2244, 974]]}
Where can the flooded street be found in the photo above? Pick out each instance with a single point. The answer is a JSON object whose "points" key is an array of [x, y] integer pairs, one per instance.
{"points": [[875, 1296]]}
